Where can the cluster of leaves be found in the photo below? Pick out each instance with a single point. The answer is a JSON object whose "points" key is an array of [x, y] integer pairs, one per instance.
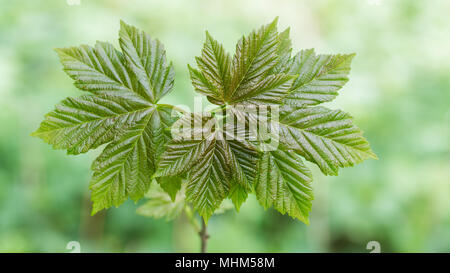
{"points": [[122, 111]]}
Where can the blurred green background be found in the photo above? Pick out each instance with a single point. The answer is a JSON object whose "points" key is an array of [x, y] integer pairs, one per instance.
{"points": [[399, 94]]}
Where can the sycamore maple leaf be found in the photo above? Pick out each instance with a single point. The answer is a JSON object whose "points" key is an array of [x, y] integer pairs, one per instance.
{"points": [[120, 111], [217, 167], [263, 72]]}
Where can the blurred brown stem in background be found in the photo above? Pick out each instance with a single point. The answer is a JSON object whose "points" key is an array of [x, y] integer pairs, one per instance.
{"points": [[91, 227], [204, 237]]}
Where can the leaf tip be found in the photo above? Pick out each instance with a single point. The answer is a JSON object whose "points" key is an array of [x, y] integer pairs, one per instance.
{"points": [[351, 56], [305, 220], [60, 50], [206, 218], [275, 21], [125, 29], [96, 208], [123, 24], [373, 155], [35, 133]]}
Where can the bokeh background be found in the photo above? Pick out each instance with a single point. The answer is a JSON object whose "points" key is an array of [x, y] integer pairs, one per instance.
{"points": [[399, 94]]}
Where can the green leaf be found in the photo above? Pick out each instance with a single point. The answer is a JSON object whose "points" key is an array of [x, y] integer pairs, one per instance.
{"points": [[242, 161], [284, 52], [209, 179], [160, 204], [84, 123], [206, 159], [215, 66], [170, 184], [125, 167], [98, 70], [160, 121], [271, 89], [180, 156], [120, 112], [238, 194], [284, 182], [325, 137], [203, 86], [211, 161], [182, 152], [320, 77], [255, 56], [245, 79], [147, 59]]}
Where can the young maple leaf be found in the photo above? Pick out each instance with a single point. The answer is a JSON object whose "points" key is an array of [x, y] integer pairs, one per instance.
{"points": [[120, 111], [261, 73]]}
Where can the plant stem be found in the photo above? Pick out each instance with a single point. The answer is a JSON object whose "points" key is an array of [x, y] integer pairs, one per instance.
{"points": [[192, 220], [203, 232], [204, 237]]}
